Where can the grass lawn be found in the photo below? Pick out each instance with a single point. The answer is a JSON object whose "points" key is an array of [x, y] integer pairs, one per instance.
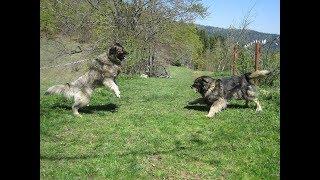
{"points": [[149, 134]]}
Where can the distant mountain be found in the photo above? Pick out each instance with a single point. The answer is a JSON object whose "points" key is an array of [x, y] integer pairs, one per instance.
{"points": [[272, 40]]}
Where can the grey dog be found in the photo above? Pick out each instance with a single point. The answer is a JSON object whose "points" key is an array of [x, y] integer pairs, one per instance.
{"points": [[102, 72], [216, 92]]}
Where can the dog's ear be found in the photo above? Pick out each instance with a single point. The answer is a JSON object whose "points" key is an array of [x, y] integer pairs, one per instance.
{"points": [[112, 51], [207, 80], [117, 44]]}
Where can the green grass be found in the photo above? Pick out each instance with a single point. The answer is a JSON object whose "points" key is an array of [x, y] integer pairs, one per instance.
{"points": [[148, 134]]}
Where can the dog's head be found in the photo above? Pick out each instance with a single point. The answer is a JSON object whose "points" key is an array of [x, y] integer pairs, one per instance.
{"points": [[202, 84], [117, 52]]}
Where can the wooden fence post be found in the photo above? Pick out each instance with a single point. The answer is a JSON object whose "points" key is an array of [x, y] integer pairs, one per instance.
{"points": [[257, 58]]}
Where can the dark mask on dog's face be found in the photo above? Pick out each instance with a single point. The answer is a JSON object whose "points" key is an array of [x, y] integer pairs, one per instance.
{"points": [[202, 84], [118, 51], [196, 86]]}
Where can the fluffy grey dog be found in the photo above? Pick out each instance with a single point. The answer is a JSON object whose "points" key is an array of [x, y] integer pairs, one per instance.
{"points": [[102, 72], [216, 92]]}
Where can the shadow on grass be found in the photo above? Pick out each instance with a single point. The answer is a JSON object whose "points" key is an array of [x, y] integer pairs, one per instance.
{"points": [[180, 148], [77, 157], [237, 106], [197, 107], [207, 108], [199, 146], [91, 108]]}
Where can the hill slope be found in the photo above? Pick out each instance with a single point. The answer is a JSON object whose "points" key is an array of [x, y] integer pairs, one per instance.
{"points": [[250, 35]]}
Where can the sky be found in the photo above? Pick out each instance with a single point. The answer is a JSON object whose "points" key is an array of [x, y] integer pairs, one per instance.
{"points": [[223, 13]]}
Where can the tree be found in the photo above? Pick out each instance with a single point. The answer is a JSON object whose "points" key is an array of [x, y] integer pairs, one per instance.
{"points": [[144, 27]]}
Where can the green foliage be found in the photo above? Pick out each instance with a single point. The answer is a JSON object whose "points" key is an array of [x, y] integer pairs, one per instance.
{"points": [[204, 39], [139, 27], [146, 31], [186, 35], [185, 44], [245, 62], [136, 52], [101, 27], [271, 62], [48, 23], [214, 52]]}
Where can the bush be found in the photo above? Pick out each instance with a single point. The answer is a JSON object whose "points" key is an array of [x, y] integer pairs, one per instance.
{"points": [[245, 62], [48, 23], [271, 62]]}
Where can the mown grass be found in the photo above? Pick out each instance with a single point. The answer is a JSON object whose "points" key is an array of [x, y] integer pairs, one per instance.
{"points": [[149, 134]]}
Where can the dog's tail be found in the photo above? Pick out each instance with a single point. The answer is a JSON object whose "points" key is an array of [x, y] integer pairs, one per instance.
{"points": [[65, 90], [258, 74]]}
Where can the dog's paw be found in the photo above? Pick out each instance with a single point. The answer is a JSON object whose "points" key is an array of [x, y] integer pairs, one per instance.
{"points": [[78, 115], [209, 116], [118, 94], [258, 110]]}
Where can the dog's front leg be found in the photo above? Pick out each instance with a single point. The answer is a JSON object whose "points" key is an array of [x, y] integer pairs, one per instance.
{"points": [[112, 85], [258, 104], [217, 106]]}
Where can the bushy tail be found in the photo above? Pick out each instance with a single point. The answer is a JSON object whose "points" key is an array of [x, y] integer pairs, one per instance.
{"points": [[258, 74], [65, 90]]}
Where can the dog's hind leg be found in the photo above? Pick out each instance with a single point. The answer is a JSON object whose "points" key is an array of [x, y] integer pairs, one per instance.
{"points": [[80, 100], [251, 95], [217, 106]]}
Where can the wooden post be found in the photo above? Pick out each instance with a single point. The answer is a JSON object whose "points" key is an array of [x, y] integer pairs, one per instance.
{"points": [[257, 56], [234, 58], [257, 59]]}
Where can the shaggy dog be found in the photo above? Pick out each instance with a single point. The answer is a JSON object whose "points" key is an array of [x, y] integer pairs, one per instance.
{"points": [[102, 72], [216, 92]]}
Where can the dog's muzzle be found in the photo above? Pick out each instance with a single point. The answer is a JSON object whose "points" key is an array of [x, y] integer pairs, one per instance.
{"points": [[195, 89]]}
